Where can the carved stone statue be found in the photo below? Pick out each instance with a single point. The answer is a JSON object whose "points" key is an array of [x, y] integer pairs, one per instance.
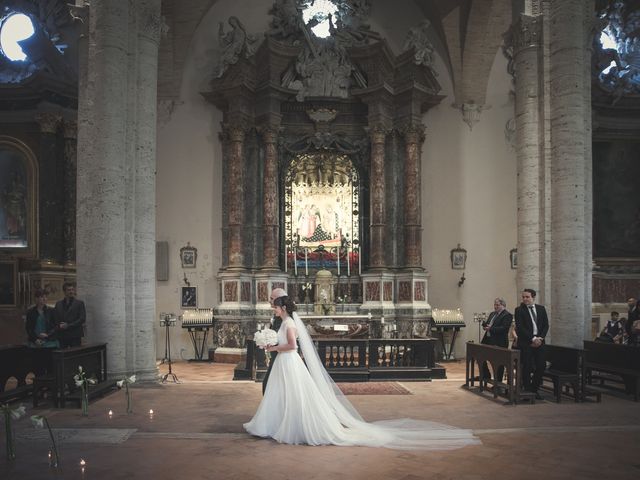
{"points": [[418, 39], [234, 43]]}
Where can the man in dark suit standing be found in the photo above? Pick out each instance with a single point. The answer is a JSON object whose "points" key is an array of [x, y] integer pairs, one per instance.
{"points": [[70, 317], [496, 332], [532, 326], [275, 325]]}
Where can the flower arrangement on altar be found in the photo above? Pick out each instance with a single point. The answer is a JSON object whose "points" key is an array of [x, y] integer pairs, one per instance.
{"points": [[10, 414], [266, 337], [83, 382], [40, 421], [125, 382]]}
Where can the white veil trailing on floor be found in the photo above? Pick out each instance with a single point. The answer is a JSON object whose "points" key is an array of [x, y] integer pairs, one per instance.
{"points": [[406, 433]]}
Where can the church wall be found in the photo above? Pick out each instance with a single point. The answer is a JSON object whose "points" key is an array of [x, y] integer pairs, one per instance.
{"points": [[469, 197], [189, 178]]}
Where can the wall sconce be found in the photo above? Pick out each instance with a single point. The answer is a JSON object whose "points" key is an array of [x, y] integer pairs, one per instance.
{"points": [[458, 258]]}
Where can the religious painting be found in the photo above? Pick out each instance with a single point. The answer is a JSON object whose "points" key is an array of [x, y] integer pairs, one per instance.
{"points": [[188, 297], [188, 256], [513, 258], [458, 258], [14, 199], [616, 203], [322, 212], [8, 282]]}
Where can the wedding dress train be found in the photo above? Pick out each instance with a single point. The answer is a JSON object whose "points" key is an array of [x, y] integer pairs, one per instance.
{"points": [[302, 405]]}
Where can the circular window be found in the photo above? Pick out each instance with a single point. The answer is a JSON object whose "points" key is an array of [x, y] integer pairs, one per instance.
{"points": [[320, 11], [15, 27]]}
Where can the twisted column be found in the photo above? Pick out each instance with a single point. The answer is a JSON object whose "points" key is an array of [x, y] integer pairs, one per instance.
{"points": [[414, 136], [378, 190], [270, 198], [234, 136]]}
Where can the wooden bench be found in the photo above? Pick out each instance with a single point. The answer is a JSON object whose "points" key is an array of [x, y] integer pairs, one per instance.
{"points": [[478, 354], [618, 363], [20, 361], [565, 370], [64, 365]]}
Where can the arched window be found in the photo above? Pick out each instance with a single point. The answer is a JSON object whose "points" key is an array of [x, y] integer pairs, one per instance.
{"points": [[17, 197]]}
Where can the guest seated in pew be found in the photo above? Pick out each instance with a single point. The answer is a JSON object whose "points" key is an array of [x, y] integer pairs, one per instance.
{"points": [[496, 332], [613, 331], [634, 315], [41, 324]]}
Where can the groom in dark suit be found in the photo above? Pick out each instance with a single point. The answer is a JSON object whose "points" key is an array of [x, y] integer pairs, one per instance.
{"points": [[496, 332], [70, 317], [532, 326], [275, 325]]}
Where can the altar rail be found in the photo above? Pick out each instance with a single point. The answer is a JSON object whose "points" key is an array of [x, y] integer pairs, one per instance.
{"points": [[360, 360]]}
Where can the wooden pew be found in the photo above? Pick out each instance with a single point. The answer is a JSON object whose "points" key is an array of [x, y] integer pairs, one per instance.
{"points": [[65, 363], [478, 353], [18, 361], [618, 361], [564, 369]]}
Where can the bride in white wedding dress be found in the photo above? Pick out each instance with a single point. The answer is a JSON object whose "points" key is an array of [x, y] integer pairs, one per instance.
{"points": [[302, 404]]}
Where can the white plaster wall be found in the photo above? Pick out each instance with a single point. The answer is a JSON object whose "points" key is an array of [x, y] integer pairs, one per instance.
{"points": [[189, 173], [469, 197]]}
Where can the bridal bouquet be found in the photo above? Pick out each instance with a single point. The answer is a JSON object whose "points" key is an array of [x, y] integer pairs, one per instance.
{"points": [[265, 337]]}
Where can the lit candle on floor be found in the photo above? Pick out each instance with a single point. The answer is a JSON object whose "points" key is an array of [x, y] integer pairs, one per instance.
{"points": [[150, 413], [82, 465], [110, 413]]}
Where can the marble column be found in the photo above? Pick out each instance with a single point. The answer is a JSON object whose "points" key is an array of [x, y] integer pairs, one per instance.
{"points": [[143, 292], [570, 197], [234, 137], [70, 128], [414, 136], [51, 190], [116, 183], [526, 38], [377, 192], [270, 198]]}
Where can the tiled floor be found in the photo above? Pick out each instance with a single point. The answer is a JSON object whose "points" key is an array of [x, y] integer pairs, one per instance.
{"points": [[196, 433]]}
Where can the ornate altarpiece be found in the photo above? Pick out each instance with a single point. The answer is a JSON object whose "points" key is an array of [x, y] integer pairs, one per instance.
{"points": [[309, 124]]}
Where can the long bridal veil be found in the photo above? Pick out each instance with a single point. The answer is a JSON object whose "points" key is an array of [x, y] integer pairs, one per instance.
{"points": [[404, 433]]}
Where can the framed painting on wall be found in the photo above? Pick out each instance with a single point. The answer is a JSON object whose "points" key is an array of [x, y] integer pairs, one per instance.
{"points": [[188, 297]]}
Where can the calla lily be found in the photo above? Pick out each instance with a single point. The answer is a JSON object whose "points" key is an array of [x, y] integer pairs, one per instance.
{"points": [[132, 379], [16, 413], [37, 421], [119, 383]]}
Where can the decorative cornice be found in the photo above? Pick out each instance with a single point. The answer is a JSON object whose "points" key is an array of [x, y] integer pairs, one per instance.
{"points": [[48, 121], [526, 32]]}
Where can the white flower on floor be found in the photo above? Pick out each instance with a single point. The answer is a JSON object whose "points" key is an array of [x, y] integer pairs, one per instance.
{"points": [[125, 382], [265, 337], [40, 421]]}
